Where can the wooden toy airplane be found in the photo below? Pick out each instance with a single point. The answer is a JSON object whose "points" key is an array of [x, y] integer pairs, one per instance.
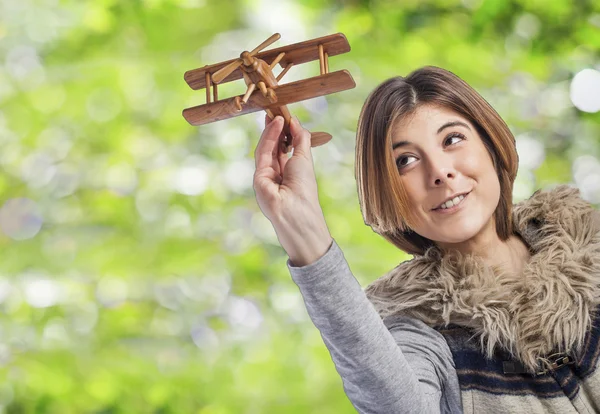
{"points": [[257, 70]]}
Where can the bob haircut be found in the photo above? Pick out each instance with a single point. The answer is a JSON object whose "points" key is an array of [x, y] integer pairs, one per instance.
{"points": [[383, 200]]}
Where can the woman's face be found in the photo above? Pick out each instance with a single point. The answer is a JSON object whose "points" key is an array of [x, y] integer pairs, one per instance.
{"points": [[440, 154]]}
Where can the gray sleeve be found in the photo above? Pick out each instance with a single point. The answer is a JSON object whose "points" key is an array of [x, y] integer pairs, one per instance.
{"points": [[370, 358], [430, 358]]}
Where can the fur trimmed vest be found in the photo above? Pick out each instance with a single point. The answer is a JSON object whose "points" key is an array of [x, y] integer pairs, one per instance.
{"points": [[490, 318]]}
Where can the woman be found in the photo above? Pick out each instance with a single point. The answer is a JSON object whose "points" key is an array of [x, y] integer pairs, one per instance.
{"points": [[495, 311]]}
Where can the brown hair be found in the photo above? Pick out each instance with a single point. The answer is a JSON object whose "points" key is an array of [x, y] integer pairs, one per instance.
{"points": [[383, 200]]}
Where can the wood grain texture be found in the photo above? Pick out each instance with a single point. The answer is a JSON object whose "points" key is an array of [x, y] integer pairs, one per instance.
{"points": [[296, 53], [219, 75], [288, 93], [319, 138], [207, 81], [277, 60], [272, 39], [260, 72], [321, 59]]}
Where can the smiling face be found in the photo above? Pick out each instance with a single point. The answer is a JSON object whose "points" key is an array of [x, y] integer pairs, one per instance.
{"points": [[439, 153]]}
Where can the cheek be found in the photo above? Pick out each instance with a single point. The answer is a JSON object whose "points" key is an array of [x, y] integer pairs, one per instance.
{"points": [[471, 163], [480, 167], [415, 189], [478, 164]]}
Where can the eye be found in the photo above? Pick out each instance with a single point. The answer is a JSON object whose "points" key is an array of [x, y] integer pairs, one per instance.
{"points": [[399, 161], [454, 135]]}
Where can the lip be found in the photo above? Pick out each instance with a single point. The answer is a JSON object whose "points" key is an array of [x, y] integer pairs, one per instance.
{"points": [[453, 208]]}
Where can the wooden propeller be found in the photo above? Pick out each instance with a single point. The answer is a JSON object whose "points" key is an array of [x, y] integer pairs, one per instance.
{"points": [[221, 74]]}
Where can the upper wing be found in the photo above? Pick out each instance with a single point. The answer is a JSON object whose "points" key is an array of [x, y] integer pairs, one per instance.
{"points": [[287, 93], [296, 53]]}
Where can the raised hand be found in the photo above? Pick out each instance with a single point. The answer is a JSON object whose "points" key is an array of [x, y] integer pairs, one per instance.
{"points": [[286, 192]]}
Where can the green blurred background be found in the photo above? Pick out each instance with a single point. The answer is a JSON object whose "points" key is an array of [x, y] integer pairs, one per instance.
{"points": [[137, 273]]}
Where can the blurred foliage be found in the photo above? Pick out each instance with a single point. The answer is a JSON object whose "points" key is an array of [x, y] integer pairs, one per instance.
{"points": [[137, 273]]}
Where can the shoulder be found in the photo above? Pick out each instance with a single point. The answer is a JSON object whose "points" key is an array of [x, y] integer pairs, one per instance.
{"points": [[553, 210], [553, 204], [408, 273], [405, 289]]}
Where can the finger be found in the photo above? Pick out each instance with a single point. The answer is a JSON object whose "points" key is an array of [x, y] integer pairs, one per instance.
{"points": [[277, 149], [301, 141], [268, 120], [266, 150]]}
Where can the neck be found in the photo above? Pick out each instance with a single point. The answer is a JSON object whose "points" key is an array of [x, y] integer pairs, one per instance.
{"points": [[509, 255]]}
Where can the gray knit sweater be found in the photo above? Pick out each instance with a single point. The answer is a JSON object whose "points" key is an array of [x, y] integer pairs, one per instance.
{"points": [[395, 365]]}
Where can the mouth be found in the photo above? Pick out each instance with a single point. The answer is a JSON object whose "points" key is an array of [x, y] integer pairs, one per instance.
{"points": [[454, 207]]}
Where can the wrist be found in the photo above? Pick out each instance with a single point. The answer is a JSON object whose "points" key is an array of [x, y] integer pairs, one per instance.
{"points": [[304, 241], [310, 254]]}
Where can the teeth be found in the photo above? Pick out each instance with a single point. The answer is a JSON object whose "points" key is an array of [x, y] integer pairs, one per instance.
{"points": [[453, 202]]}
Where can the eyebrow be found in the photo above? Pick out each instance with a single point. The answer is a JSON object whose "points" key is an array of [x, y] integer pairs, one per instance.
{"points": [[440, 129]]}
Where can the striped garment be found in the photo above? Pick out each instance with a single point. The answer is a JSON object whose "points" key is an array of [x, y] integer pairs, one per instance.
{"points": [[521, 343], [498, 385]]}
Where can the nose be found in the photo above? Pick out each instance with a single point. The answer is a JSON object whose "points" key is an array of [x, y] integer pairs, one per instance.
{"points": [[442, 178], [442, 170]]}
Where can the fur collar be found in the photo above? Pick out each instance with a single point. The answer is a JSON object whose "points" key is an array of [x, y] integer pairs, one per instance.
{"points": [[547, 308]]}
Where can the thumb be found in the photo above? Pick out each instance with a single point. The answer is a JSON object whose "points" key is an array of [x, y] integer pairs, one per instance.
{"points": [[301, 141]]}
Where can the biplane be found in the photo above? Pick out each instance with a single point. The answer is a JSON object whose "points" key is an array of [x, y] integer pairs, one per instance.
{"points": [[263, 90]]}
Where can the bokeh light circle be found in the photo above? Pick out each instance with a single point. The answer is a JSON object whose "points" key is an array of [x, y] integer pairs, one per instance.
{"points": [[585, 90], [20, 218]]}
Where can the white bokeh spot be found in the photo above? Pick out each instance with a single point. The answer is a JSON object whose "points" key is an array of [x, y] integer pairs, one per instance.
{"points": [[585, 90]]}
